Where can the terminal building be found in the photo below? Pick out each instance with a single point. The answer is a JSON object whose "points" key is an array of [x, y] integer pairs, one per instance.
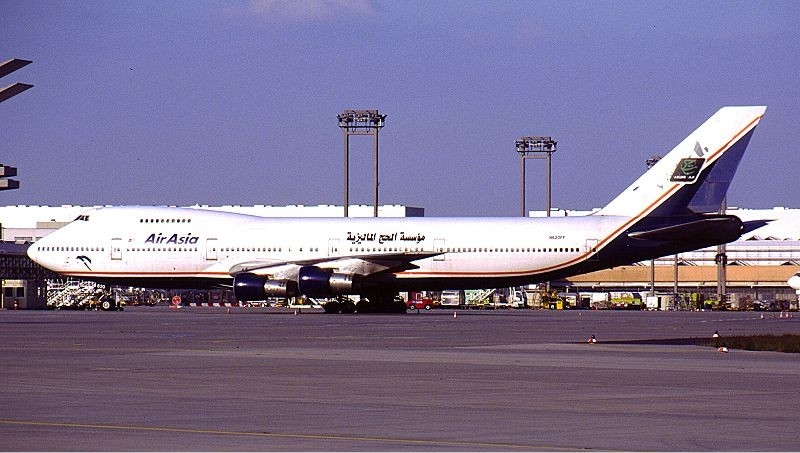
{"points": [[756, 268]]}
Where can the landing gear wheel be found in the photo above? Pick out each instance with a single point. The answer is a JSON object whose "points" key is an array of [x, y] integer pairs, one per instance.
{"points": [[333, 307], [364, 306], [348, 307]]}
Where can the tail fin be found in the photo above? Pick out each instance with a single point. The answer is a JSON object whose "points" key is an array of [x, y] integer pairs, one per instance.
{"points": [[694, 177]]}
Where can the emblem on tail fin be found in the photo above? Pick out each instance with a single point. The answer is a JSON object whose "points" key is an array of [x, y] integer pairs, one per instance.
{"points": [[687, 170], [699, 150]]}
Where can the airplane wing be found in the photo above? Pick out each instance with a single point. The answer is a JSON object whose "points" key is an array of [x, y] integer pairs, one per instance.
{"points": [[363, 265]]}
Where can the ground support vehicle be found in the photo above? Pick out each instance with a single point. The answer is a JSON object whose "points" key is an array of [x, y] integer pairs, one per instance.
{"points": [[417, 300]]}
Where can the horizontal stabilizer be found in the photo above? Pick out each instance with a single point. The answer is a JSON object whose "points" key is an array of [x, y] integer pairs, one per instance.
{"points": [[716, 229], [752, 225]]}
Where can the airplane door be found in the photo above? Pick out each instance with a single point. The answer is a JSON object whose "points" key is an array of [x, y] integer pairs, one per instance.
{"points": [[438, 246], [333, 247], [211, 249], [591, 247], [116, 249]]}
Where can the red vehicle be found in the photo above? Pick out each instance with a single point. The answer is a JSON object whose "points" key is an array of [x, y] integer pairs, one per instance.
{"points": [[420, 302]]}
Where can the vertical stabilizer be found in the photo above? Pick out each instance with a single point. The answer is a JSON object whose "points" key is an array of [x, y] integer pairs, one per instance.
{"points": [[695, 175]]}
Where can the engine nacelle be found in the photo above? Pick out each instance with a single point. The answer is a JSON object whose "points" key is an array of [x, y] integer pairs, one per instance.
{"points": [[313, 281], [342, 283], [248, 286]]}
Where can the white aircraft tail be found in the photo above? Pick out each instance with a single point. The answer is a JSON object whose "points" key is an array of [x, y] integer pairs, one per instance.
{"points": [[694, 177]]}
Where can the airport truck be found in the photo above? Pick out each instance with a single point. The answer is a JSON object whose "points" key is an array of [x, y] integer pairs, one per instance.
{"points": [[625, 300], [452, 298]]}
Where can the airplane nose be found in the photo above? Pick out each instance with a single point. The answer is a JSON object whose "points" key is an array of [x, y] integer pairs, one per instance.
{"points": [[794, 282], [36, 252], [33, 252]]}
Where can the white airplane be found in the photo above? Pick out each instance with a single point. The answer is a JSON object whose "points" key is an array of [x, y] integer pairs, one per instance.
{"points": [[794, 282], [671, 208]]}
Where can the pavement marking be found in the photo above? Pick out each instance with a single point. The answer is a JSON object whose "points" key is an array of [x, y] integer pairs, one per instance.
{"points": [[487, 445]]}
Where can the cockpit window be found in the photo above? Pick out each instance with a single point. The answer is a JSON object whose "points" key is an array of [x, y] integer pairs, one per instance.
{"points": [[82, 217]]}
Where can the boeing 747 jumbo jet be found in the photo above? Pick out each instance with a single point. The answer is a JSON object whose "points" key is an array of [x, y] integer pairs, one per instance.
{"points": [[671, 208]]}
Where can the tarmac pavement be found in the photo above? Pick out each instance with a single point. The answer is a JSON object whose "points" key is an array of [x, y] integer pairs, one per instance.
{"points": [[204, 379]]}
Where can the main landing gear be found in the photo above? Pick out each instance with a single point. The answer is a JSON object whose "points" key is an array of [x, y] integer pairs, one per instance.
{"points": [[370, 303]]}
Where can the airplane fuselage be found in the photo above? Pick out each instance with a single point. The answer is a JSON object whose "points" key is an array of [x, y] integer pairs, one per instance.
{"points": [[154, 246]]}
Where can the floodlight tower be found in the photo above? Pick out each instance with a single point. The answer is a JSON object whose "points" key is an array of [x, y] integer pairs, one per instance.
{"points": [[721, 260], [534, 148], [650, 162], [359, 122]]}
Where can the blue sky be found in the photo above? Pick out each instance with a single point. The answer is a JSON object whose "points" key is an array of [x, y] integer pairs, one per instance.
{"points": [[235, 102]]}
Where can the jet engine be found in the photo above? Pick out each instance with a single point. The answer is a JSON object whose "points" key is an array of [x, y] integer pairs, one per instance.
{"points": [[248, 286], [316, 282], [311, 281]]}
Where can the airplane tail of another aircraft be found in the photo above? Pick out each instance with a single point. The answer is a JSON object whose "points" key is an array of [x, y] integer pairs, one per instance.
{"points": [[694, 177]]}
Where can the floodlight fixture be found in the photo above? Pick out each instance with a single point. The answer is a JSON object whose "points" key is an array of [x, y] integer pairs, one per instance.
{"points": [[6, 172], [13, 90], [9, 66], [6, 68], [361, 122], [535, 145]]}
